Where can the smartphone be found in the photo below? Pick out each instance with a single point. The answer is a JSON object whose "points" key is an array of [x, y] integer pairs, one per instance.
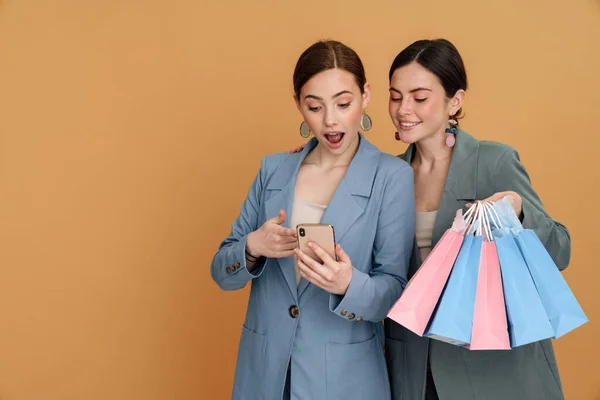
{"points": [[321, 234]]}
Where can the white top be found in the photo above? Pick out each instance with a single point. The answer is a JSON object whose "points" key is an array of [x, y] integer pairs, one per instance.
{"points": [[305, 212], [424, 232]]}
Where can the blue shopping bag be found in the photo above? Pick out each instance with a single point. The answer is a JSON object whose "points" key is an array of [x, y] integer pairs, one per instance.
{"points": [[452, 321], [527, 318], [562, 309]]}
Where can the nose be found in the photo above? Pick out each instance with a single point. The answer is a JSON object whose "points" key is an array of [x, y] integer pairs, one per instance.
{"points": [[330, 118], [404, 108]]}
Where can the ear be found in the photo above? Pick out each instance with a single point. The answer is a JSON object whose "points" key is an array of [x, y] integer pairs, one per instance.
{"points": [[456, 102], [297, 101], [366, 95]]}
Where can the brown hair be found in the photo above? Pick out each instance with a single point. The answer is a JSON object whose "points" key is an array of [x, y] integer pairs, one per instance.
{"points": [[441, 58], [324, 55]]}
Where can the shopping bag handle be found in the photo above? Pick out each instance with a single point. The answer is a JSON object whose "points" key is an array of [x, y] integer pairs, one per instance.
{"points": [[496, 218], [485, 220], [476, 222], [469, 214]]}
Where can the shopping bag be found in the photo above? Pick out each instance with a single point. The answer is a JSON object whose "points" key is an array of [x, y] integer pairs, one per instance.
{"points": [[453, 318], [418, 300], [527, 318], [563, 311], [490, 327]]}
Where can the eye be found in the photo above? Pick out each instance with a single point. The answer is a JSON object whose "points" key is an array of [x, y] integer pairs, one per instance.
{"points": [[395, 99], [420, 100], [314, 109], [345, 105]]}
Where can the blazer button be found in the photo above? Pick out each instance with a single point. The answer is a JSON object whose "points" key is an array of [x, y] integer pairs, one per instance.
{"points": [[351, 316], [344, 312], [228, 269], [359, 319], [237, 264], [294, 312]]}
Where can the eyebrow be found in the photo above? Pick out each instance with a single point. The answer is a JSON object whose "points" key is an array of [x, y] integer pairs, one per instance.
{"points": [[312, 96], [412, 91]]}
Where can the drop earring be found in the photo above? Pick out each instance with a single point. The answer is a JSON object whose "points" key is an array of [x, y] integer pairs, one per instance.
{"points": [[366, 123], [304, 130], [451, 138]]}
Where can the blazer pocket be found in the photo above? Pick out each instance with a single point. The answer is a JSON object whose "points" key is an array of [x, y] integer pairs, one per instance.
{"points": [[356, 371], [395, 355], [248, 382]]}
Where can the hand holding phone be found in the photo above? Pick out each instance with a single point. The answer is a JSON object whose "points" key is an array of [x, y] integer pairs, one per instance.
{"points": [[321, 234], [321, 261]]}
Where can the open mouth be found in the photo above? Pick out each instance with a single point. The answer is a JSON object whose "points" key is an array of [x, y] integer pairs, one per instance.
{"points": [[334, 138]]}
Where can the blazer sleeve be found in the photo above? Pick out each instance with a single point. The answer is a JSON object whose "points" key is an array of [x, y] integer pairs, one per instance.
{"points": [[511, 176], [371, 295], [228, 268]]}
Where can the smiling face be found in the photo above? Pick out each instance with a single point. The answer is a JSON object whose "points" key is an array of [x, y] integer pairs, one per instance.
{"points": [[331, 103], [418, 105]]}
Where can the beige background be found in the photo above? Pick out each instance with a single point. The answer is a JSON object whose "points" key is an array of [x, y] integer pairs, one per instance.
{"points": [[131, 130]]}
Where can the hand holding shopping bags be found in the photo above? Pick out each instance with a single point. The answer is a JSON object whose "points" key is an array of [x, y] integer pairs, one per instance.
{"points": [[488, 285]]}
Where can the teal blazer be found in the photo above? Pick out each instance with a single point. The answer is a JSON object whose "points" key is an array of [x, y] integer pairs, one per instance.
{"points": [[479, 169]]}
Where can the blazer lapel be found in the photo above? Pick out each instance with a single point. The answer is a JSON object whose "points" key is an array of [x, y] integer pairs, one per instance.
{"points": [[461, 182], [283, 184], [344, 209]]}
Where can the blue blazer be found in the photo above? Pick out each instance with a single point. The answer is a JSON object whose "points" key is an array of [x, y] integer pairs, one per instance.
{"points": [[333, 343]]}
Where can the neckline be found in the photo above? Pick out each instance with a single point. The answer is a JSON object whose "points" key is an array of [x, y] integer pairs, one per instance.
{"points": [[311, 203]]}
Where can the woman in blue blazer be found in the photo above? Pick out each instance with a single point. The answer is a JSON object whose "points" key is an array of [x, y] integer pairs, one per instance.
{"points": [[313, 330]]}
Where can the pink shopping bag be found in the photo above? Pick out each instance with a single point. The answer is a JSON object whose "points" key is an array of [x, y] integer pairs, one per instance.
{"points": [[490, 324], [420, 296]]}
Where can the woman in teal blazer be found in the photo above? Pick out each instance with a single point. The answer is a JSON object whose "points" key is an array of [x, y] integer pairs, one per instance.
{"points": [[453, 169], [321, 337]]}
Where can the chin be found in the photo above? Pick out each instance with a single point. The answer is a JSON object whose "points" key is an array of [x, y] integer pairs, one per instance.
{"points": [[408, 138]]}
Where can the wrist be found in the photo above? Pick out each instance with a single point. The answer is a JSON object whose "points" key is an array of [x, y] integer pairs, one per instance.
{"points": [[520, 203], [251, 250], [345, 290]]}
